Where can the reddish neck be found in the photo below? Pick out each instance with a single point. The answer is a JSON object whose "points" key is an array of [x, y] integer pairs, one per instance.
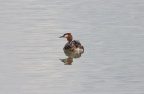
{"points": [[69, 38]]}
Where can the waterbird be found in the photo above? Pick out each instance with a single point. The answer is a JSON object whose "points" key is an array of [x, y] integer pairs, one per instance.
{"points": [[72, 45]]}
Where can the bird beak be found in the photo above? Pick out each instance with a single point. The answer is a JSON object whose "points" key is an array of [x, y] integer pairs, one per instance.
{"points": [[61, 36]]}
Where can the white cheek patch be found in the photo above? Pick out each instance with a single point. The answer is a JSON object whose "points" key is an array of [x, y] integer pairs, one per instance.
{"points": [[66, 36]]}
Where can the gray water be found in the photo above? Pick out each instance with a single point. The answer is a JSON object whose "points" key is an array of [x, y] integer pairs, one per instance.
{"points": [[112, 32]]}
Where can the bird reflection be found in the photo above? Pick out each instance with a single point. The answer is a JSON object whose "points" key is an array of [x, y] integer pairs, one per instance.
{"points": [[70, 55]]}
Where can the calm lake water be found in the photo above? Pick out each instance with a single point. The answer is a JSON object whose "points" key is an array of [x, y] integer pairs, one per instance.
{"points": [[112, 33]]}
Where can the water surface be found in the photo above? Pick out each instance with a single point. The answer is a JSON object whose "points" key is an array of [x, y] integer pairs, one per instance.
{"points": [[112, 33]]}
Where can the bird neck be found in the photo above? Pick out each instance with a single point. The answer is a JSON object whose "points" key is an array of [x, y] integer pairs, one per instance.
{"points": [[69, 38]]}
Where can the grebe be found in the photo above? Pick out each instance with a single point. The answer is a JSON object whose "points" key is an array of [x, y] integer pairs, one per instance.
{"points": [[72, 45]]}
